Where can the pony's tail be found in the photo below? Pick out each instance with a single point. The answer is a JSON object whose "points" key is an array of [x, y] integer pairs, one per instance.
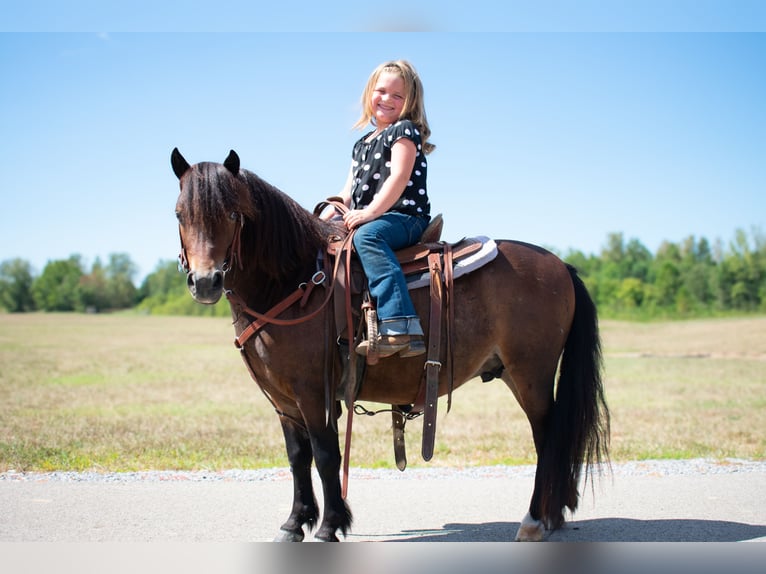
{"points": [[577, 433]]}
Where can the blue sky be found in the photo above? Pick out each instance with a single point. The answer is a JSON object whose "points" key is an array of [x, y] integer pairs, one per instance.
{"points": [[553, 138]]}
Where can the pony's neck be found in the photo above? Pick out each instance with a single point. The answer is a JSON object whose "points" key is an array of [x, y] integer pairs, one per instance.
{"points": [[280, 246]]}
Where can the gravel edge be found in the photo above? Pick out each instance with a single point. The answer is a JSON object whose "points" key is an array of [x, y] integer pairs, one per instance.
{"points": [[699, 466]]}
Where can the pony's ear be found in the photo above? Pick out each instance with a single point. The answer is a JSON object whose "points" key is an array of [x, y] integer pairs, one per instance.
{"points": [[232, 162], [180, 165]]}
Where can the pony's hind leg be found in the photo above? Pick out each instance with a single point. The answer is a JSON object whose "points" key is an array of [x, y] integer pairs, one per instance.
{"points": [[305, 510], [572, 432], [535, 396]]}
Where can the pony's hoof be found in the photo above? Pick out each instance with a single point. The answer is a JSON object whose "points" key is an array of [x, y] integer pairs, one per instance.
{"points": [[289, 536], [326, 537], [530, 530]]}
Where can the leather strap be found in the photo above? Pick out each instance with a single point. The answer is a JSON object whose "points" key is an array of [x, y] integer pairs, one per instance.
{"points": [[347, 451], [352, 384], [449, 280], [433, 364], [400, 453], [459, 251], [270, 317]]}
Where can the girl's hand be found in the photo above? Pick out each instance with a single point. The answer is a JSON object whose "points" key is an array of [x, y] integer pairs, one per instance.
{"points": [[356, 217]]}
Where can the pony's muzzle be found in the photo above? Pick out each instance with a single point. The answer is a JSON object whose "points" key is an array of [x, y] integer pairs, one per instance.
{"points": [[205, 288]]}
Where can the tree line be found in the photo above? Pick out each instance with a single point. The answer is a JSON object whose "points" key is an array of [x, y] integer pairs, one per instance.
{"points": [[70, 285], [687, 279]]}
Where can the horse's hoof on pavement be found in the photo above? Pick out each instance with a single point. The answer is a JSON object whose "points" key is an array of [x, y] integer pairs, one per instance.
{"points": [[530, 530], [289, 536], [326, 537]]}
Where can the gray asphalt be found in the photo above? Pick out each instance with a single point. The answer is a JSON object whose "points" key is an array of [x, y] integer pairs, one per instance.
{"points": [[443, 506]]}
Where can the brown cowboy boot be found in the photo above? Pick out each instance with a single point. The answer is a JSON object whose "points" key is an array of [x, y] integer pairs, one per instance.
{"points": [[416, 347], [405, 345]]}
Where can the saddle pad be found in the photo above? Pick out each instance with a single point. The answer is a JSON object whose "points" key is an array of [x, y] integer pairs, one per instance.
{"points": [[461, 267]]}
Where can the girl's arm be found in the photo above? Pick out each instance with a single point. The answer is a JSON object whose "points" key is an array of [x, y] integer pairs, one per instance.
{"points": [[403, 154]]}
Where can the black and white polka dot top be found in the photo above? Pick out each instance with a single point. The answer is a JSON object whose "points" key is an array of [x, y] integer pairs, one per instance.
{"points": [[371, 164]]}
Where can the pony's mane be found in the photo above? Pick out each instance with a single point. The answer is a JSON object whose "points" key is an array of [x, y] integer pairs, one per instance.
{"points": [[282, 237], [279, 238]]}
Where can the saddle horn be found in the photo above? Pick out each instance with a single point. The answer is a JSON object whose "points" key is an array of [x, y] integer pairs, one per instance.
{"points": [[180, 165]]}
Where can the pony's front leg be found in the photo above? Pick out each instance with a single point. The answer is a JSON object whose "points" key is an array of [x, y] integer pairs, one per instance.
{"points": [[336, 515], [305, 509]]}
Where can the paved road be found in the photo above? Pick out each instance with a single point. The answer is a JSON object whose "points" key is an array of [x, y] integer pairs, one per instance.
{"points": [[635, 504]]}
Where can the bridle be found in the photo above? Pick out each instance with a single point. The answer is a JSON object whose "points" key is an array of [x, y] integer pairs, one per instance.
{"points": [[233, 253], [183, 262], [301, 294]]}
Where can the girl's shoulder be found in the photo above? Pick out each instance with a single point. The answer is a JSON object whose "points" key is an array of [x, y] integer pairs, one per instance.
{"points": [[400, 129]]}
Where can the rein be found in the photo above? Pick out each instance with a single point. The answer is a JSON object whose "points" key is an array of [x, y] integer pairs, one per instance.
{"points": [[301, 294], [234, 253]]}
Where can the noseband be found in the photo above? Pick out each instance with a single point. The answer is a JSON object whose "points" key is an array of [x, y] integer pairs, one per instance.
{"points": [[233, 253]]}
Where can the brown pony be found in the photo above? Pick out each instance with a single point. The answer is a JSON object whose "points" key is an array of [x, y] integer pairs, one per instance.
{"points": [[521, 318]]}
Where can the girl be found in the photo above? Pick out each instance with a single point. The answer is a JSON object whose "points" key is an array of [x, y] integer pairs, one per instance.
{"points": [[387, 198]]}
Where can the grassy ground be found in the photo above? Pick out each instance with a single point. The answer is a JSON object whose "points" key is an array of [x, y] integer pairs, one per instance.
{"points": [[127, 392]]}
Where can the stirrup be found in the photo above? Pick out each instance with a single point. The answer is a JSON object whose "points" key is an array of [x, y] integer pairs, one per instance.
{"points": [[384, 348]]}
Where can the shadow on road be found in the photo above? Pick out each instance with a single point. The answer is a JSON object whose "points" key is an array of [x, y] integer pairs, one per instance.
{"points": [[599, 530]]}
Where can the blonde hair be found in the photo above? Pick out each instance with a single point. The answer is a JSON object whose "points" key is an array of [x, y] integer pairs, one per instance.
{"points": [[414, 106]]}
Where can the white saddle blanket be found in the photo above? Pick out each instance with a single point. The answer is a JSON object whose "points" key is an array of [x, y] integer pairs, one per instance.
{"points": [[462, 267]]}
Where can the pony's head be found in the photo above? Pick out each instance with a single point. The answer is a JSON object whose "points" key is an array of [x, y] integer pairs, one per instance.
{"points": [[211, 210]]}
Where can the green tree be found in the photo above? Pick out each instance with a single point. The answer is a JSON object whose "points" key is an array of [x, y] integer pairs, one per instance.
{"points": [[698, 274], [631, 293], [620, 261], [164, 282], [57, 288], [121, 292], [743, 273], [16, 286], [666, 275], [93, 289], [637, 261]]}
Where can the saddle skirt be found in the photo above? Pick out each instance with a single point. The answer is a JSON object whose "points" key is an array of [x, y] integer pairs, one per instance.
{"points": [[469, 255]]}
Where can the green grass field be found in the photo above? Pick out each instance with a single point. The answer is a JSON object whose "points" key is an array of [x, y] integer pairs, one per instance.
{"points": [[130, 392]]}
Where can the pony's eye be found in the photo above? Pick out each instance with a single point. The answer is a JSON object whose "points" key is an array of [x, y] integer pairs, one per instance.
{"points": [[233, 216]]}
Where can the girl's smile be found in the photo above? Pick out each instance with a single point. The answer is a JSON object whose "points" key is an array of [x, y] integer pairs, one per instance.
{"points": [[388, 99]]}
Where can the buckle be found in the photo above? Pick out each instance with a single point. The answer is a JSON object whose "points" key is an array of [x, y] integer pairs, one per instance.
{"points": [[318, 278], [431, 363]]}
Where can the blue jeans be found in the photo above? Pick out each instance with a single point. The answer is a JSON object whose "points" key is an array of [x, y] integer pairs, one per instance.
{"points": [[375, 243]]}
